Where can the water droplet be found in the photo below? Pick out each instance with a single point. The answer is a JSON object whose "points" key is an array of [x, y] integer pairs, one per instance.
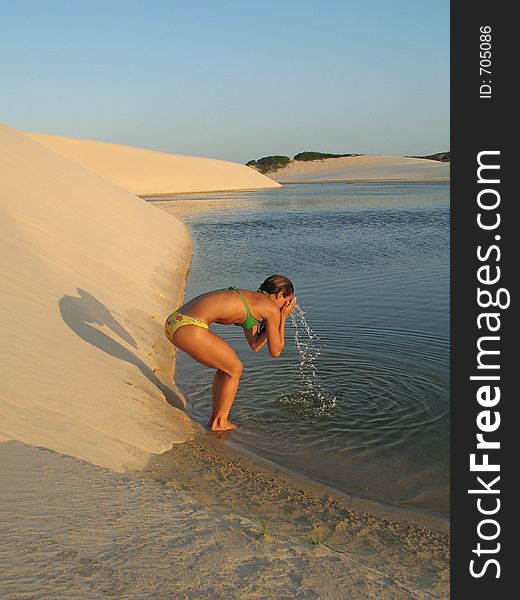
{"points": [[311, 401]]}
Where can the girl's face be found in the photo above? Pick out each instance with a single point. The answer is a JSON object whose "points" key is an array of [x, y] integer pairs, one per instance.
{"points": [[280, 299]]}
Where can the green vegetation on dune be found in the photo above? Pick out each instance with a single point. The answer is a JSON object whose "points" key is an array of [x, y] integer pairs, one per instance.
{"points": [[319, 155], [268, 164]]}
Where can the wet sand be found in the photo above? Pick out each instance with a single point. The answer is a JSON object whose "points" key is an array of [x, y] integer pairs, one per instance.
{"points": [[409, 547], [188, 527]]}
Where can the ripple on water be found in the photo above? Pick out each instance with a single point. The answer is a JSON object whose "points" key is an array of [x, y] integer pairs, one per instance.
{"points": [[308, 405], [369, 404], [366, 407], [370, 398]]}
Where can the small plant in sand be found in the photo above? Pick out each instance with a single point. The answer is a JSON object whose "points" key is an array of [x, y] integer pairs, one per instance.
{"points": [[319, 538], [263, 527]]}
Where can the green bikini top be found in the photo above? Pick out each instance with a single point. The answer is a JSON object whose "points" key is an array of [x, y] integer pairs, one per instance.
{"points": [[249, 321]]}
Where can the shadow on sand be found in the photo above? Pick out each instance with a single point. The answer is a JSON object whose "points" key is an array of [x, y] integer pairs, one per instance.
{"points": [[79, 313]]}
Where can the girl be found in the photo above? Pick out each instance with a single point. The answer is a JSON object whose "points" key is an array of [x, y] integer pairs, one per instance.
{"points": [[262, 315]]}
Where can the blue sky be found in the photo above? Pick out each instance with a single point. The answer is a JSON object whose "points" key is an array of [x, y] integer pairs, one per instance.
{"points": [[231, 79]]}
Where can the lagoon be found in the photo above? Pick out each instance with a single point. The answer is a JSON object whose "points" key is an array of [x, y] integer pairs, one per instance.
{"points": [[370, 264]]}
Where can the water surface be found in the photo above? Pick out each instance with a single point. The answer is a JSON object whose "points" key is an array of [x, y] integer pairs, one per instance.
{"points": [[370, 263]]}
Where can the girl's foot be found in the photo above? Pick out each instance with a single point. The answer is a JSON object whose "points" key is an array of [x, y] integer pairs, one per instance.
{"points": [[219, 424]]}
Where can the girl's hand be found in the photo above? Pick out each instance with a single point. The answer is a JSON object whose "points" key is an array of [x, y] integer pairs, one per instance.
{"points": [[288, 307]]}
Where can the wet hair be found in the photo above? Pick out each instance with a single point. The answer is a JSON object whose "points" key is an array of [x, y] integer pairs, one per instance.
{"points": [[277, 283]]}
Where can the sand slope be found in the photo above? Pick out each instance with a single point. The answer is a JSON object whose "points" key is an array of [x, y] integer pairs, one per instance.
{"points": [[370, 168], [89, 273], [148, 173]]}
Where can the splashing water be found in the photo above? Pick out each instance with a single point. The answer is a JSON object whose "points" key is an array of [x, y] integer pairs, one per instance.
{"points": [[311, 402], [308, 350]]}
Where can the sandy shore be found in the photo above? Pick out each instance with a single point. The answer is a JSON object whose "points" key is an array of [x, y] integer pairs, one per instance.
{"points": [[190, 527], [146, 172], [363, 168]]}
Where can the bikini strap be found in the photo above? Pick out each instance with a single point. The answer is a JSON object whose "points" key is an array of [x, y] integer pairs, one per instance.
{"points": [[246, 306]]}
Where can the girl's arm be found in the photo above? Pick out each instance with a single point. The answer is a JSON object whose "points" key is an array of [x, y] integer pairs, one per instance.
{"points": [[272, 331], [276, 328], [256, 337]]}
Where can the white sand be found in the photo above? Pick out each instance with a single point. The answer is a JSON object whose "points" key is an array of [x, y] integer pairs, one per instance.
{"points": [[146, 172], [364, 168], [89, 273], [73, 530]]}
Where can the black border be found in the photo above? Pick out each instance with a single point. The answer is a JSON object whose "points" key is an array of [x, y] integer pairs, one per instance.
{"points": [[476, 125]]}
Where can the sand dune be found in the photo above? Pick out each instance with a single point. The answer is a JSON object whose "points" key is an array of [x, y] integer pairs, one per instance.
{"points": [[89, 273], [148, 173], [369, 168]]}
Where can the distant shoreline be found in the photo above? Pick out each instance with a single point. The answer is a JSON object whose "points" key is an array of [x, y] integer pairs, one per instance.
{"points": [[443, 180], [164, 197]]}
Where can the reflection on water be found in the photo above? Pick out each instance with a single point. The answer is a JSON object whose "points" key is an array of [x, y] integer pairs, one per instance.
{"points": [[359, 398]]}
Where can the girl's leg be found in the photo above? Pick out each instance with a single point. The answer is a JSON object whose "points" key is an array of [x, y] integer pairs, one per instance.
{"points": [[217, 384], [214, 395], [225, 392], [214, 392], [210, 350]]}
